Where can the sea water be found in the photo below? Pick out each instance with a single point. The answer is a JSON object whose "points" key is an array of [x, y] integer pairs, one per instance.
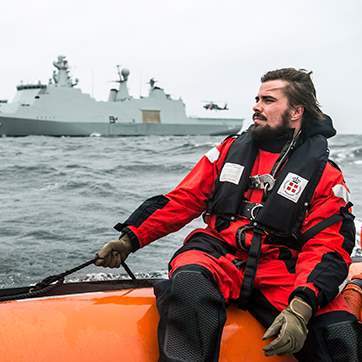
{"points": [[61, 197]]}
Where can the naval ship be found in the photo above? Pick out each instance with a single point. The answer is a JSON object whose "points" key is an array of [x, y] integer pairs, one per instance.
{"points": [[59, 108]]}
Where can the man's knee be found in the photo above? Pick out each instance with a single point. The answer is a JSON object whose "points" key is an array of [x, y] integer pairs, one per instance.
{"points": [[194, 284], [191, 290], [333, 337], [344, 341]]}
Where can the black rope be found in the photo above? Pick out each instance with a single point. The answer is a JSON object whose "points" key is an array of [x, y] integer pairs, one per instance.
{"points": [[60, 277], [128, 270], [54, 281], [30, 294]]}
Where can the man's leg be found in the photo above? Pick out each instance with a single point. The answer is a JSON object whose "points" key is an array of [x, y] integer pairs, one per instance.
{"points": [[192, 305], [333, 337], [192, 316], [334, 334]]}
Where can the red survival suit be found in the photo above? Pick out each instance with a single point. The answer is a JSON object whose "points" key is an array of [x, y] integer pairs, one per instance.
{"points": [[312, 270]]}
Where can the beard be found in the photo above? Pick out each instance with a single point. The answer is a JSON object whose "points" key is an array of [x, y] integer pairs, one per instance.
{"points": [[261, 134]]}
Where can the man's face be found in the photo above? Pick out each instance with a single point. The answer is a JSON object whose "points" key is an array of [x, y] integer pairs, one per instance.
{"points": [[271, 105], [273, 116]]}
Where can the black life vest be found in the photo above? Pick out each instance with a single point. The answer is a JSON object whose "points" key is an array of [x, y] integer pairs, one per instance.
{"points": [[285, 205]]}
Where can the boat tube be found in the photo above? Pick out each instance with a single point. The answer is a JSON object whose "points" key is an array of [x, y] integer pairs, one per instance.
{"points": [[106, 321]]}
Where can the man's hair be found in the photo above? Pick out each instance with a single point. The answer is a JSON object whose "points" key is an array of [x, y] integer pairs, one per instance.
{"points": [[299, 91]]}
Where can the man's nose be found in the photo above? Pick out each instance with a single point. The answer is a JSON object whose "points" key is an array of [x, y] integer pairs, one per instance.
{"points": [[257, 107]]}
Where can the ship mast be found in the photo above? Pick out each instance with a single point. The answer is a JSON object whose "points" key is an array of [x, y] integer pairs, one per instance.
{"points": [[121, 94], [61, 76], [123, 75]]}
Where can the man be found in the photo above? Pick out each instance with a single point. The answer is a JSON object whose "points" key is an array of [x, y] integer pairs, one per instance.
{"points": [[278, 238]]}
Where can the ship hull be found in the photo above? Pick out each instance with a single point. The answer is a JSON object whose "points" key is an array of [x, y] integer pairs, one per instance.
{"points": [[14, 126]]}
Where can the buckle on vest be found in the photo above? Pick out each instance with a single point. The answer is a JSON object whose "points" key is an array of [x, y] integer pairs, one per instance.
{"points": [[250, 209], [264, 182], [253, 209], [240, 236]]}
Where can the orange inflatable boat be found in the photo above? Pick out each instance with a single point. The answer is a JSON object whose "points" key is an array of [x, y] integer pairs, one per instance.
{"points": [[108, 321]]}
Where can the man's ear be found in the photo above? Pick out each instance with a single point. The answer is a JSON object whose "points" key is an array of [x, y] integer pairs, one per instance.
{"points": [[297, 113]]}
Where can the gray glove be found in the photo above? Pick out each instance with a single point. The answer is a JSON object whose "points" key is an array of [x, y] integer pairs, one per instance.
{"points": [[289, 328], [113, 253]]}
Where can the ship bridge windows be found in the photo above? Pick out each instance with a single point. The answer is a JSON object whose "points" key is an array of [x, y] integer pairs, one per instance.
{"points": [[30, 86], [45, 117], [151, 116]]}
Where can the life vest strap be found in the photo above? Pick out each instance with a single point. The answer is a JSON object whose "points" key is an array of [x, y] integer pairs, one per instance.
{"points": [[250, 268], [314, 230]]}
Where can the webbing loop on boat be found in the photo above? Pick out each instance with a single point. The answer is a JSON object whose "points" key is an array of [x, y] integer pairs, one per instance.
{"points": [[60, 277], [53, 281]]}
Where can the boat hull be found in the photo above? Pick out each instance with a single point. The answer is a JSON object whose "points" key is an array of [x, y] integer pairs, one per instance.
{"points": [[115, 325], [14, 126]]}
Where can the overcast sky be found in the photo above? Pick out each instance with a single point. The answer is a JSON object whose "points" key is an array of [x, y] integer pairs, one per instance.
{"points": [[197, 49]]}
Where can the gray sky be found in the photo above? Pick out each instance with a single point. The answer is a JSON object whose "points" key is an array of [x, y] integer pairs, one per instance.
{"points": [[197, 49]]}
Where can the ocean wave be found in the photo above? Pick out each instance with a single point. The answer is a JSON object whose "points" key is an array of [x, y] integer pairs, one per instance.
{"points": [[190, 147], [13, 280], [156, 168], [41, 234], [347, 154], [18, 170], [357, 152]]}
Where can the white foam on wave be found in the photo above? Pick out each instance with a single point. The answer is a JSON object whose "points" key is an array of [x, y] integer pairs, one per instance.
{"points": [[96, 277]]}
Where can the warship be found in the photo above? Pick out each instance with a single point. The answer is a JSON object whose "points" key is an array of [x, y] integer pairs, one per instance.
{"points": [[59, 108]]}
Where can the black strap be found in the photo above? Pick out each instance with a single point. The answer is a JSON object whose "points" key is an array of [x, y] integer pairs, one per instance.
{"points": [[314, 230], [128, 270], [250, 269], [284, 154]]}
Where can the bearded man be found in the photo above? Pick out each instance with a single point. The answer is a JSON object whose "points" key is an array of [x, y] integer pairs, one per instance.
{"points": [[278, 238]]}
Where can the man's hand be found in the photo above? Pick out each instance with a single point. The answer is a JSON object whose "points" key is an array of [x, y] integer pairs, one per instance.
{"points": [[113, 253], [290, 327]]}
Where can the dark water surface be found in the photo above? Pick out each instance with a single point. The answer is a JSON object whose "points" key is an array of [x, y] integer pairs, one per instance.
{"points": [[60, 197]]}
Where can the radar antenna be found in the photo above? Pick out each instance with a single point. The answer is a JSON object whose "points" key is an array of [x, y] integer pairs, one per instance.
{"points": [[152, 82], [122, 74]]}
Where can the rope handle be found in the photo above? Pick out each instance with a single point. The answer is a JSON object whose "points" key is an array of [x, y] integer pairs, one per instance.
{"points": [[53, 281], [60, 277]]}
